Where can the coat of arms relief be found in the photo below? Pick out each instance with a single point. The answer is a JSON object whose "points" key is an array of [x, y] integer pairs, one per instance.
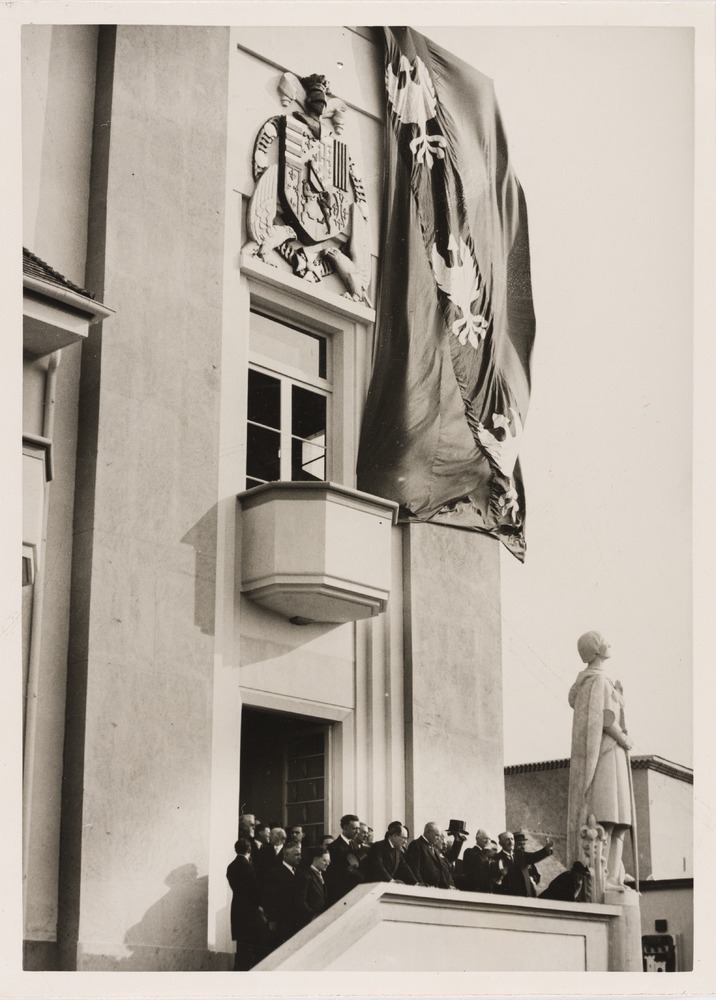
{"points": [[309, 203]]}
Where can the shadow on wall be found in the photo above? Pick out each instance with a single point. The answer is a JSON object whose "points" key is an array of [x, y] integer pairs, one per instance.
{"points": [[267, 635], [202, 538], [172, 934]]}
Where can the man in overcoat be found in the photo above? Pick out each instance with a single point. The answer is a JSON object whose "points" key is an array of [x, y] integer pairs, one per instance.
{"points": [[280, 895], [386, 860], [516, 880], [480, 869], [343, 873], [248, 922], [311, 886], [423, 856]]}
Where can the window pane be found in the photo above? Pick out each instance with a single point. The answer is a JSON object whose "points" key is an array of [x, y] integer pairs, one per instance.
{"points": [[264, 399], [308, 415], [263, 454], [313, 812], [305, 767], [250, 483], [305, 791], [308, 462], [288, 345], [307, 746]]}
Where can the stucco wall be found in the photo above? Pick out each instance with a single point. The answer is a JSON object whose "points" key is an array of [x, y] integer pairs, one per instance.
{"points": [[673, 902], [58, 72], [144, 575], [384, 927], [671, 810], [453, 678]]}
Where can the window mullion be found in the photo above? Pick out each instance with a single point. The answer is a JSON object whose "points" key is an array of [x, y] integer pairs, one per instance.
{"points": [[285, 429]]}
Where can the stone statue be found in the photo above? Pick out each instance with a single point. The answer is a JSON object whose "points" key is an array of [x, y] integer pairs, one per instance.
{"points": [[600, 785]]}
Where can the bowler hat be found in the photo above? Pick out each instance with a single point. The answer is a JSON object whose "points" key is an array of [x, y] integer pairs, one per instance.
{"points": [[458, 826]]}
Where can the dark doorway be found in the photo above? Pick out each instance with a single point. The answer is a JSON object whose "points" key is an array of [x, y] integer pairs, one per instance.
{"points": [[284, 768]]}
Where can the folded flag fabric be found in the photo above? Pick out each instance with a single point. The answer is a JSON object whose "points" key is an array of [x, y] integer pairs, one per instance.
{"points": [[450, 387]]}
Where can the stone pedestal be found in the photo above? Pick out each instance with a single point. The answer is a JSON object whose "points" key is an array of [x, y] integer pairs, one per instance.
{"points": [[453, 678], [625, 932]]}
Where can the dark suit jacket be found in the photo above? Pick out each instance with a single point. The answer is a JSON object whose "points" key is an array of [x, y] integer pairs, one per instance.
{"points": [[247, 921], [280, 901], [480, 870], [428, 866], [267, 861], [385, 863], [340, 876], [310, 895], [516, 881], [567, 886]]}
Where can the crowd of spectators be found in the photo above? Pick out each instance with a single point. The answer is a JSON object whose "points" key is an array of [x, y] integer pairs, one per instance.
{"points": [[280, 884]]}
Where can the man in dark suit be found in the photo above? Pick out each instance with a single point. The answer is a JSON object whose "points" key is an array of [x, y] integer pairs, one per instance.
{"points": [[311, 887], [248, 923], [480, 869], [271, 855], [457, 835], [360, 843], [280, 895], [343, 873], [568, 885], [516, 880], [532, 870], [386, 862], [247, 829], [423, 856]]}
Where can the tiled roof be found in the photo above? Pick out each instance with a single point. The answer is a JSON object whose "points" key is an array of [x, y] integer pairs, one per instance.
{"points": [[663, 766], [541, 765], [648, 761], [34, 267]]}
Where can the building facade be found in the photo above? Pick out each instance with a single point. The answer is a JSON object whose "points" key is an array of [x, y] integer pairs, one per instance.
{"points": [[296, 652]]}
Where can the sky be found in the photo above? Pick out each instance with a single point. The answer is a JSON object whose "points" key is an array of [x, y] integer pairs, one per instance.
{"points": [[601, 132]]}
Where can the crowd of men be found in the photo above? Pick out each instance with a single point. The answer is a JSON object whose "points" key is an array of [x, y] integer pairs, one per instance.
{"points": [[279, 885]]}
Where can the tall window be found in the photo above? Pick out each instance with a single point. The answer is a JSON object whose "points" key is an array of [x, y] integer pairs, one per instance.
{"points": [[289, 396], [305, 783]]}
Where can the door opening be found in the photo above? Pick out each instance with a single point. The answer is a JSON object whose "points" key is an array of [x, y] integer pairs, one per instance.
{"points": [[284, 770]]}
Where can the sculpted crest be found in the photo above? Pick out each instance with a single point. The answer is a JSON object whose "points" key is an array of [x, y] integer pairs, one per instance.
{"points": [[309, 203]]}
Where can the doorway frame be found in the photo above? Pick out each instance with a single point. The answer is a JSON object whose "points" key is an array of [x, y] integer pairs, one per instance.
{"points": [[340, 743]]}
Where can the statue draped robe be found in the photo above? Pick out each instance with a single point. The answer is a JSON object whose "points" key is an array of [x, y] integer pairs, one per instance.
{"points": [[599, 771]]}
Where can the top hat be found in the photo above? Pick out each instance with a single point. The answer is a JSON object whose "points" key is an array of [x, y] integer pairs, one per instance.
{"points": [[519, 835], [458, 826]]}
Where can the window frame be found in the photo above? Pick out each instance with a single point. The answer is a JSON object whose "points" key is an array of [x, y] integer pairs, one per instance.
{"points": [[348, 333], [289, 376]]}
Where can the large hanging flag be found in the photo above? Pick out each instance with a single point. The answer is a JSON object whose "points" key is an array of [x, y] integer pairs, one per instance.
{"points": [[451, 377]]}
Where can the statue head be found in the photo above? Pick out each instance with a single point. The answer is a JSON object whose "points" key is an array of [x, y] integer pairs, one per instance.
{"points": [[592, 644], [316, 87]]}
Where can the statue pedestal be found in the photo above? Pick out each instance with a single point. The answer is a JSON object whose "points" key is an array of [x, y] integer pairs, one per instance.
{"points": [[625, 932]]}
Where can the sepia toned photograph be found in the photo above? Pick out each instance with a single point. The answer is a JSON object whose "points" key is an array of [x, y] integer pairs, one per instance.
{"points": [[357, 604]]}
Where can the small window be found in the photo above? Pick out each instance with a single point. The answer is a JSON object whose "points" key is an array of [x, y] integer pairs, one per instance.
{"points": [[288, 411]]}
